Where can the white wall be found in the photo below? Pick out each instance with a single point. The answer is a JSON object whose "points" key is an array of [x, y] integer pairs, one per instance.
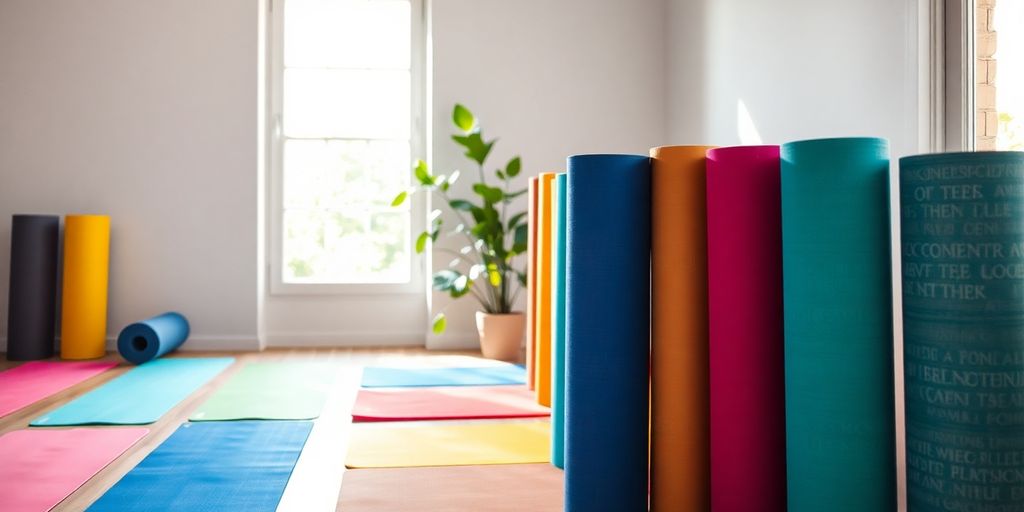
{"points": [[550, 79], [145, 110]]}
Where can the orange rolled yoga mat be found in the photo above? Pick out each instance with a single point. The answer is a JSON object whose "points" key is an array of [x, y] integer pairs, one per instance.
{"points": [[531, 285], [84, 303], [680, 463], [545, 230]]}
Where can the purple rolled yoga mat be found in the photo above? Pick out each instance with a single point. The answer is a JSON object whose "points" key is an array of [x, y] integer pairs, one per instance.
{"points": [[748, 423]]}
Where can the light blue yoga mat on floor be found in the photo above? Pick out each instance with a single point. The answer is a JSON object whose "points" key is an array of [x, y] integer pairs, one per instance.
{"points": [[213, 466], [140, 396], [376, 377]]}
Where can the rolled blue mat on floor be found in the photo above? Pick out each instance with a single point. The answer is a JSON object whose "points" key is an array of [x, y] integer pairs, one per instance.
{"points": [[837, 295], [151, 338], [140, 396], [607, 341], [229, 465], [963, 330], [558, 327], [379, 377]]}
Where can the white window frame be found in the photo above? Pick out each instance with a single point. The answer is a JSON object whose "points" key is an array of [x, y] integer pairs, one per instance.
{"points": [[952, 47], [417, 145]]}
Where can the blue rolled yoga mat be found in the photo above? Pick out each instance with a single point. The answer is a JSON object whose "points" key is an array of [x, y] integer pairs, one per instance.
{"points": [[607, 341], [378, 377], [140, 396], [219, 465], [963, 330], [151, 338], [837, 297], [558, 328]]}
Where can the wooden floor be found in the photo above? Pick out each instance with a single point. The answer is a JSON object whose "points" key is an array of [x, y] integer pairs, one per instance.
{"points": [[316, 481]]}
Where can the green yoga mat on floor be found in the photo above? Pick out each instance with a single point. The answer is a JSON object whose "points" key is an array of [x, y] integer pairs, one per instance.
{"points": [[271, 391], [837, 293], [140, 396]]}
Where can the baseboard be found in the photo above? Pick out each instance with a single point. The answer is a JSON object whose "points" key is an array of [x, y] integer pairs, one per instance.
{"points": [[454, 341], [196, 343], [344, 339]]}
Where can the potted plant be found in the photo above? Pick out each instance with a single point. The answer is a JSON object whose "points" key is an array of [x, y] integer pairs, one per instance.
{"points": [[483, 268]]}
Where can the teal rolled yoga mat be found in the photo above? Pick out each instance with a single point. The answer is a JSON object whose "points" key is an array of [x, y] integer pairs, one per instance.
{"points": [[962, 248], [558, 328], [837, 298]]}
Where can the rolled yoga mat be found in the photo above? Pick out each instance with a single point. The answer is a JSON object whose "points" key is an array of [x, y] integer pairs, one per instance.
{"points": [[837, 292], [42, 467], [34, 381], [531, 285], [271, 391], [607, 332], [151, 338], [83, 331], [745, 346], [558, 326], [374, 446], [679, 330], [963, 330], [237, 465], [523, 487], [498, 375], [446, 403], [545, 227], [140, 396], [32, 296]]}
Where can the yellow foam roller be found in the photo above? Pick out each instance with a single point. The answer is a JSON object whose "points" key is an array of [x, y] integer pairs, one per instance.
{"points": [[84, 302]]}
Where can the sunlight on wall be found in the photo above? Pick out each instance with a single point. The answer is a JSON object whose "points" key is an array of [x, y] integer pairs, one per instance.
{"points": [[745, 127]]}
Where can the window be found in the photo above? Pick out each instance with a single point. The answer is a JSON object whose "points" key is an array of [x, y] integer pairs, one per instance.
{"points": [[346, 102], [984, 74]]}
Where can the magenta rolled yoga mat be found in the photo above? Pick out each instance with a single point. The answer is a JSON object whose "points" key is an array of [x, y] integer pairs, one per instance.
{"points": [[31, 382], [747, 383], [41, 467]]}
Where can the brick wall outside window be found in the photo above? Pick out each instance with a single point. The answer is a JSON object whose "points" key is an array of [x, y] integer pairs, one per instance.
{"points": [[986, 115]]}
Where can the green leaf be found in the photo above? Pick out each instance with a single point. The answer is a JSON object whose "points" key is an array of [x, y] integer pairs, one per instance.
{"points": [[476, 270], [399, 199], [421, 242], [522, 277], [463, 118], [454, 177], [440, 322], [490, 194], [517, 193], [513, 167], [460, 287], [520, 237], [494, 275], [501, 175], [422, 174], [476, 149], [461, 204], [445, 279], [515, 220]]}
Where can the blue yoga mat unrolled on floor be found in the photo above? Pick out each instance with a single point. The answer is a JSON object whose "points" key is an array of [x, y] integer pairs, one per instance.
{"points": [[837, 300], [213, 466], [607, 342], [377, 377], [140, 396]]}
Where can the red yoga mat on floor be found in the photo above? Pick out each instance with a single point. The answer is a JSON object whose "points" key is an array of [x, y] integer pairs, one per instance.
{"points": [[442, 403], [747, 386], [32, 382], [41, 467]]}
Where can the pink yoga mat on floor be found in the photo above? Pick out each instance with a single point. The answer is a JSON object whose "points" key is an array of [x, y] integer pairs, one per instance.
{"points": [[39, 468], [747, 387], [462, 402], [31, 382]]}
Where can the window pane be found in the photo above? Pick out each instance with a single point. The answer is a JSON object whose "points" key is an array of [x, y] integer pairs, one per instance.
{"points": [[346, 103], [347, 34], [342, 174], [1008, 71], [329, 246]]}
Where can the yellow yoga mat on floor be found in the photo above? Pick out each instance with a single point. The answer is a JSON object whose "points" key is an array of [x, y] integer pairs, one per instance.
{"points": [[84, 301], [545, 239], [531, 287], [449, 445]]}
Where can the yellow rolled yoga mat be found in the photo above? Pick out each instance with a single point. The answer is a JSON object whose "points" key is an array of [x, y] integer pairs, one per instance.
{"points": [[680, 465], [531, 285], [545, 230], [84, 303]]}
